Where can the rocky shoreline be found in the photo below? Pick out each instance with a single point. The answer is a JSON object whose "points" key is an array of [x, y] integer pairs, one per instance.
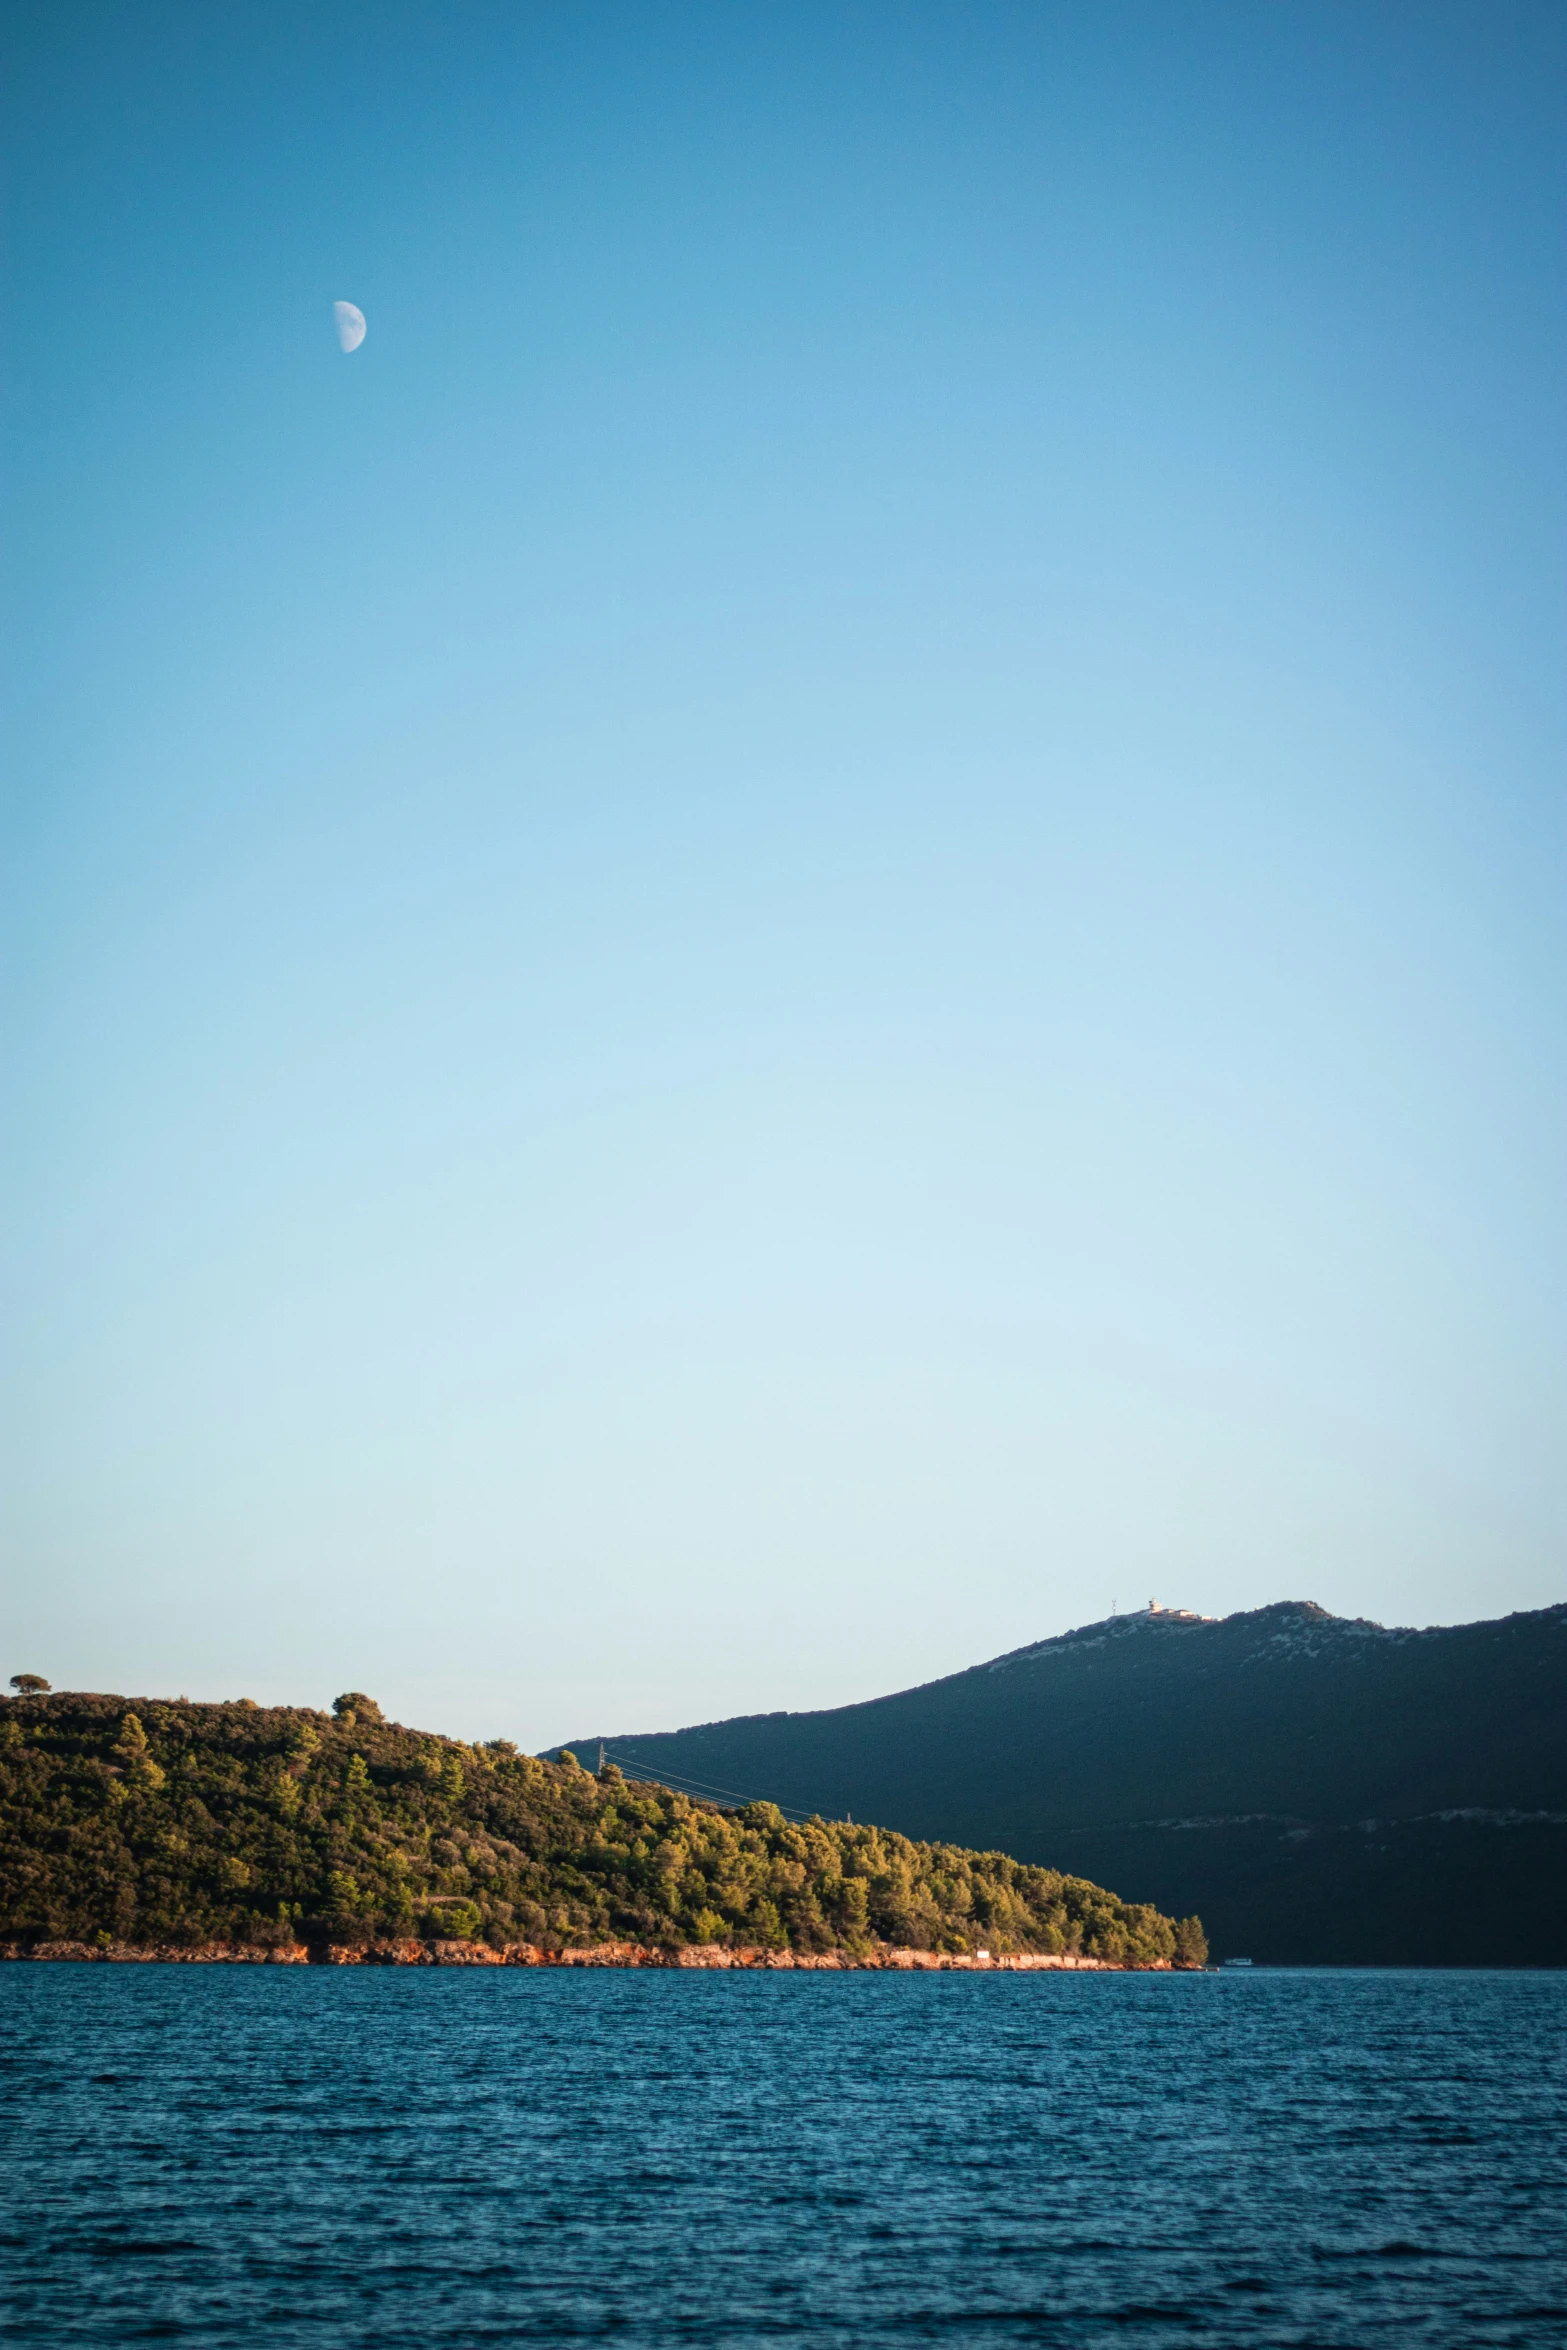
{"points": [[602, 1954]]}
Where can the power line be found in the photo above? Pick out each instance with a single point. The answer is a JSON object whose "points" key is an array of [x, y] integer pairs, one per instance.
{"points": [[700, 1787]]}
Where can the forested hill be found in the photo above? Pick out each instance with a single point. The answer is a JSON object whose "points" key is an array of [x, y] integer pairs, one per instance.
{"points": [[1319, 1789], [146, 1822]]}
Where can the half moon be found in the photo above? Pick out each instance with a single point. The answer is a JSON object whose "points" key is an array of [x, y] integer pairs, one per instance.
{"points": [[350, 325]]}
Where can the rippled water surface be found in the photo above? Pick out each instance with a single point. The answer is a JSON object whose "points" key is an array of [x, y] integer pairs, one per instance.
{"points": [[313, 2159]]}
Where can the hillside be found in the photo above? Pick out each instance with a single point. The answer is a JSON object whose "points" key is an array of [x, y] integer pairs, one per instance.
{"points": [[149, 1822], [1321, 1790]]}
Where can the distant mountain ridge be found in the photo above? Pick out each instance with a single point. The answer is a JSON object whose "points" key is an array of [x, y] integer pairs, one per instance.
{"points": [[1319, 1788]]}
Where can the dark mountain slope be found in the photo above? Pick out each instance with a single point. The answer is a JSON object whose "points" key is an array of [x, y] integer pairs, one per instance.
{"points": [[1317, 1788]]}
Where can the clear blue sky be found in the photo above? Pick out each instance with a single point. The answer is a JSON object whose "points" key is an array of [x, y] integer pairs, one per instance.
{"points": [[826, 921]]}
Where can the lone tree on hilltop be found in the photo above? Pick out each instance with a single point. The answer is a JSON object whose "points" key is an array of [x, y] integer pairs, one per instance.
{"points": [[30, 1684]]}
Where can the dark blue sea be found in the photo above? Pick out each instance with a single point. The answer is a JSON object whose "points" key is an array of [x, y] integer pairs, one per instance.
{"points": [[313, 2159]]}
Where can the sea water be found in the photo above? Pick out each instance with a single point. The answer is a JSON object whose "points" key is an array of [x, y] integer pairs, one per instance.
{"points": [[317, 2159]]}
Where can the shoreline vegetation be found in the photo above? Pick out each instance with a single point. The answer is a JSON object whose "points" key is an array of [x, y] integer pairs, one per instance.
{"points": [[679, 1957], [149, 1829]]}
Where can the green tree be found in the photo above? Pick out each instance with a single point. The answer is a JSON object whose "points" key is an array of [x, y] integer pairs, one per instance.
{"points": [[1191, 1943], [30, 1684], [453, 1921], [353, 1706], [136, 1756]]}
